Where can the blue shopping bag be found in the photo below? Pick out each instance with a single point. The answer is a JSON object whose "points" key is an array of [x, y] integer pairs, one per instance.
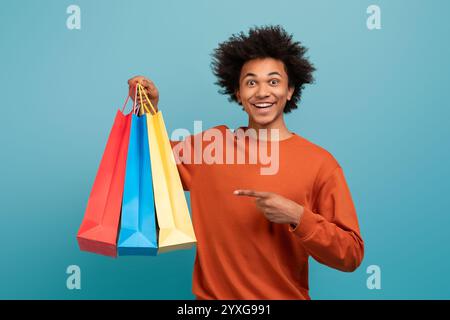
{"points": [[137, 234]]}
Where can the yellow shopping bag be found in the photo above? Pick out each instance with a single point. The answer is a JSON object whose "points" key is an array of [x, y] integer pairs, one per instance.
{"points": [[175, 226]]}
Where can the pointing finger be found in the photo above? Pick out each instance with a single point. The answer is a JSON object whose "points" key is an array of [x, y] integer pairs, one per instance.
{"points": [[251, 193]]}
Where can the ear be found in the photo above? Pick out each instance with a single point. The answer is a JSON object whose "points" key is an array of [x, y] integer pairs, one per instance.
{"points": [[290, 93], [238, 96]]}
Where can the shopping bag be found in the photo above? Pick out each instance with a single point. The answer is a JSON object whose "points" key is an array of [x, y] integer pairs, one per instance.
{"points": [[174, 223], [137, 234], [99, 228]]}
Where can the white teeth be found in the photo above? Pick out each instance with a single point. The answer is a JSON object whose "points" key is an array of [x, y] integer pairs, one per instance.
{"points": [[263, 105]]}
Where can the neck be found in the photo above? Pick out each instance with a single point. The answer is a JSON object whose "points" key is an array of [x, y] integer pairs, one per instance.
{"points": [[278, 124]]}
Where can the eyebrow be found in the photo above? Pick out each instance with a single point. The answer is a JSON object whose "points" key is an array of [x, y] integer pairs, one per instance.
{"points": [[249, 74]]}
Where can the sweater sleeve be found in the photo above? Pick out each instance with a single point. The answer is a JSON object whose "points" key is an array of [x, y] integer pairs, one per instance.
{"points": [[330, 233]]}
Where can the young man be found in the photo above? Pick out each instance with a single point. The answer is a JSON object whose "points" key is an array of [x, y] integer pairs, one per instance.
{"points": [[256, 231]]}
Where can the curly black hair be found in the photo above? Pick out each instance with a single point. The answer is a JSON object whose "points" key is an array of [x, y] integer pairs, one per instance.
{"points": [[262, 42]]}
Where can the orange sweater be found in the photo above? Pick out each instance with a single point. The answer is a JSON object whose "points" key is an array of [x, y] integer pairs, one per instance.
{"points": [[242, 255]]}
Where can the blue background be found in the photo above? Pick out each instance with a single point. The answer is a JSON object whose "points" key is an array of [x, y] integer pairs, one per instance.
{"points": [[379, 105]]}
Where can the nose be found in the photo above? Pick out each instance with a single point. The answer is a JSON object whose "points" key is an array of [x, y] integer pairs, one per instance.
{"points": [[262, 92]]}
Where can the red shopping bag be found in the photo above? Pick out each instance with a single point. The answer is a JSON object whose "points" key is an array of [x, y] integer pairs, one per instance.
{"points": [[99, 230]]}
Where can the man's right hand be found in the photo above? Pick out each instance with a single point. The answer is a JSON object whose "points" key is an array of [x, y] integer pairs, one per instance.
{"points": [[150, 89]]}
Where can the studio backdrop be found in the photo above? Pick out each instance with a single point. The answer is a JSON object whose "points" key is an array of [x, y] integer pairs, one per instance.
{"points": [[379, 104]]}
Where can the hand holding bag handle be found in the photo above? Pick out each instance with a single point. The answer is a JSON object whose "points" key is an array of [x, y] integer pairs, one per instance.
{"points": [[142, 91]]}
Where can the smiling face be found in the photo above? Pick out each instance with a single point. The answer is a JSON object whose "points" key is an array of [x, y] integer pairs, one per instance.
{"points": [[264, 91]]}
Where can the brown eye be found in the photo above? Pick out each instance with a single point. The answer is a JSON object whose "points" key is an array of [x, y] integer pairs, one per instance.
{"points": [[274, 82], [251, 83]]}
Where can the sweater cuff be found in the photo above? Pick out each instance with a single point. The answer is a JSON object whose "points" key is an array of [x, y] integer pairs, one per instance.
{"points": [[306, 227]]}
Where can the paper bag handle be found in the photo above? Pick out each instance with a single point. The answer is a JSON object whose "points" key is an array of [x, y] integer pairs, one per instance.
{"points": [[133, 108], [142, 91]]}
